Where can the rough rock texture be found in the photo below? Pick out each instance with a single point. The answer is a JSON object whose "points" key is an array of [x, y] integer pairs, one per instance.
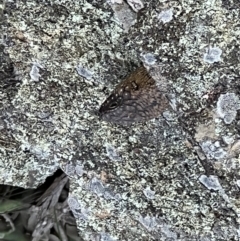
{"points": [[172, 178]]}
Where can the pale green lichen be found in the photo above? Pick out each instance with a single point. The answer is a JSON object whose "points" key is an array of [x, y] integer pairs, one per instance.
{"points": [[158, 153]]}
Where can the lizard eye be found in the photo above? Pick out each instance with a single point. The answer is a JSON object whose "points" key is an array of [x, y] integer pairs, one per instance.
{"points": [[113, 105]]}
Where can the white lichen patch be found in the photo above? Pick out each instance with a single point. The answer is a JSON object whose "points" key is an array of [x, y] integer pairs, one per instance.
{"points": [[166, 15], [72, 169], [210, 182], [213, 150], [156, 224], [149, 58], [229, 140], [34, 73], [69, 169], [96, 186], [136, 5], [79, 211], [149, 193], [166, 230], [42, 150], [79, 170], [110, 195], [116, 1], [124, 15], [112, 153], [73, 203], [150, 223], [212, 55], [227, 107], [106, 237], [84, 72]]}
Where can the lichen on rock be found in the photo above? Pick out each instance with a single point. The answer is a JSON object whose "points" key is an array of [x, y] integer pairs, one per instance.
{"points": [[52, 122]]}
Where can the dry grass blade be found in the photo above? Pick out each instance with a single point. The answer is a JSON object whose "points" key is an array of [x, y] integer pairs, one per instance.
{"points": [[41, 218]]}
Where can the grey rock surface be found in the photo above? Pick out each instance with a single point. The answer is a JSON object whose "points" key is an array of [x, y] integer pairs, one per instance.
{"points": [[173, 178]]}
